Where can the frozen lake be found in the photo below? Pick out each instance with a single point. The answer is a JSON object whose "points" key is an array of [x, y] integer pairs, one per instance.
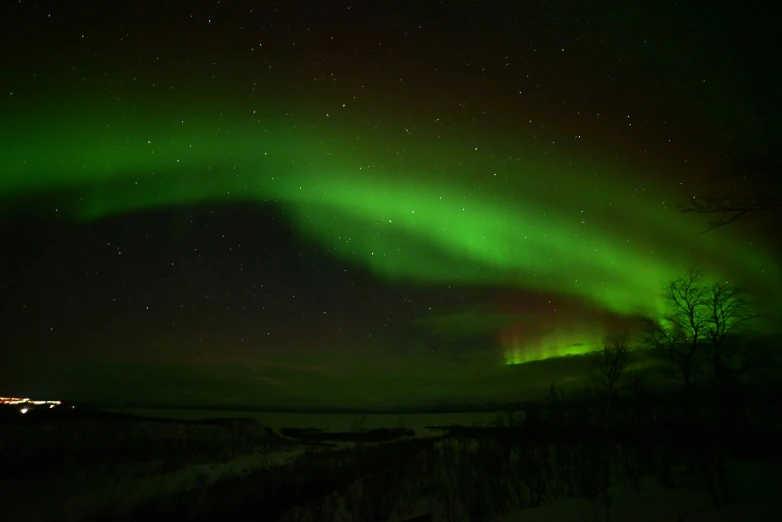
{"points": [[333, 421]]}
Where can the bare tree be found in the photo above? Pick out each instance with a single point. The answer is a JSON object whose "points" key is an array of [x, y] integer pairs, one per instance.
{"points": [[611, 364], [555, 393], [612, 361], [729, 310], [749, 186], [700, 322], [677, 335]]}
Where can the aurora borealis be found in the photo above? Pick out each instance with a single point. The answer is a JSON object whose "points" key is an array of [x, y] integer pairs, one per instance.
{"points": [[401, 225]]}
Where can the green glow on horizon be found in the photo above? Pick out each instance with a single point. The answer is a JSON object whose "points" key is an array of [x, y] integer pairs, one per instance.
{"points": [[514, 217], [555, 344], [516, 354]]}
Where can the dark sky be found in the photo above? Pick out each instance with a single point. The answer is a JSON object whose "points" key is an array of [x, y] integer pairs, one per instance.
{"points": [[370, 204]]}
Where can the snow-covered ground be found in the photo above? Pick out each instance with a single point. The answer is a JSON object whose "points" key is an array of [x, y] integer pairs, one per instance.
{"points": [[754, 487], [655, 503], [125, 494], [334, 421], [120, 489]]}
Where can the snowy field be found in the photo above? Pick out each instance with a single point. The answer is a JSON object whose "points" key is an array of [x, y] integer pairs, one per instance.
{"points": [[755, 488], [439, 481], [333, 421], [655, 503]]}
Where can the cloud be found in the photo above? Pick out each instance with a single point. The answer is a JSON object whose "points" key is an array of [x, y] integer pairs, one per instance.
{"points": [[425, 380], [307, 368], [465, 321], [268, 380]]}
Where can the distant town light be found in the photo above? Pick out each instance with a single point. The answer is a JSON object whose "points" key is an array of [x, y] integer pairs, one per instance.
{"points": [[23, 410], [19, 400]]}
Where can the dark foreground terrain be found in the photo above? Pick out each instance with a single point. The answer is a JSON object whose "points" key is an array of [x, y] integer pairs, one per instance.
{"points": [[74, 465]]}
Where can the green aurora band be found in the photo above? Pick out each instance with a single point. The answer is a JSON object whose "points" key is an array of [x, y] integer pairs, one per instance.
{"points": [[446, 211], [558, 343]]}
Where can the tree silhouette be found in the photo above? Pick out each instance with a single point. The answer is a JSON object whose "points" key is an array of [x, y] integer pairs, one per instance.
{"points": [[677, 334], [750, 185], [729, 310], [610, 364], [700, 322]]}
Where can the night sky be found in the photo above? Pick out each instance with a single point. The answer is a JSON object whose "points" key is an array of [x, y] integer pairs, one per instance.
{"points": [[374, 204]]}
